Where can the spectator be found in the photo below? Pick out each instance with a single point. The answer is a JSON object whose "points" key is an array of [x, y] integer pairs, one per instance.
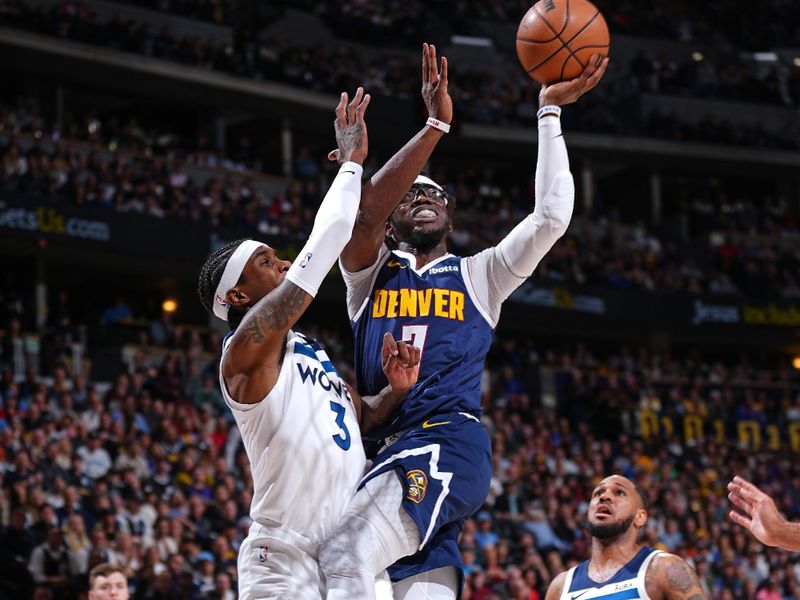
{"points": [[96, 460], [107, 582], [50, 564]]}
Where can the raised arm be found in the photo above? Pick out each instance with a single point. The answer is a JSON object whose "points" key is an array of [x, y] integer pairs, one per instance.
{"points": [[251, 363], [498, 271], [385, 189], [401, 366]]}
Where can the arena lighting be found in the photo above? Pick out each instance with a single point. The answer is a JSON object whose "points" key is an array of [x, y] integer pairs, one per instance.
{"points": [[697, 56], [169, 306], [796, 362], [796, 61], [765, 56], [468, 40]]}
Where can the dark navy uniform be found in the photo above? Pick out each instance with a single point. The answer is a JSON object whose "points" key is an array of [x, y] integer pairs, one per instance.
{"points": [[435, 441]]}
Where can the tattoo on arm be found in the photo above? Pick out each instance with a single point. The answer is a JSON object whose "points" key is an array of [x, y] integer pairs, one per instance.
{"points": [[679, 577], [682, 582], [278, 311]]}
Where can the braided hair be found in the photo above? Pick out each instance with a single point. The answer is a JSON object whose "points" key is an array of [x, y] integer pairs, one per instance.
{"points": [[210, 276]]}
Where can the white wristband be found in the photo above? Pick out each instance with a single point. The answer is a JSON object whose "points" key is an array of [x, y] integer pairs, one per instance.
{"points": [[437, 124], [548, 110]]}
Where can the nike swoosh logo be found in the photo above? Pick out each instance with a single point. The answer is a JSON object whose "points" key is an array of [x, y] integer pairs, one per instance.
{"points": [[353, 172], [575, 596], [426, 425]]}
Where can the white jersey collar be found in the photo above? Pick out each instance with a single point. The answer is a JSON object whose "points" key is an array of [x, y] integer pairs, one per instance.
{"points": [[413, 261]]}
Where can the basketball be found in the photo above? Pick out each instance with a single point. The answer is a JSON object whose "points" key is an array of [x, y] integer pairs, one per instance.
{"points": [[555, 39]]}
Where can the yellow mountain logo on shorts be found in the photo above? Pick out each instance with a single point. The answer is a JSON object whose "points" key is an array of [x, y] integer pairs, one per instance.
{"points": [[417, 485]]}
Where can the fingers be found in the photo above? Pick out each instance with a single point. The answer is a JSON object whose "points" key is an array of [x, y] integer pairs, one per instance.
{"points": [[746, 490], [351, 108], [433, 75], [740, 502], [595, 77], [340, 108], [389, 346], [425, 62], [403, 356], [362, 107], [739, 519], [443, 76], [333, 155], [587, 70]]}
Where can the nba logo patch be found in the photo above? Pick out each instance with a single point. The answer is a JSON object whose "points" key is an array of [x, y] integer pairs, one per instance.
{"points": [[417, 485], [263, 552]]}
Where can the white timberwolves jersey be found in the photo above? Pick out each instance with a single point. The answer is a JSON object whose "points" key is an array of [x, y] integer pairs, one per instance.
{"points": [[303, 443]]}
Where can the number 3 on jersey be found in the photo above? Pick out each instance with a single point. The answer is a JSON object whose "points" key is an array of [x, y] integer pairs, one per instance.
{"points": [[415, 334], [342, 442]]}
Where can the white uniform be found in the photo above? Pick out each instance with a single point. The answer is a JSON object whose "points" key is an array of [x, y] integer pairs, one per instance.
{"points": [[305, 452]]}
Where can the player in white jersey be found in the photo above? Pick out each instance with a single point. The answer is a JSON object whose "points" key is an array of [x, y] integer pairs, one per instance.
{"points": [[620, 568], [300, 424]]}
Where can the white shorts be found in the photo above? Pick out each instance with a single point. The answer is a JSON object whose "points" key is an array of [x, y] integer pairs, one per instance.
{"points": [[272, 569]]}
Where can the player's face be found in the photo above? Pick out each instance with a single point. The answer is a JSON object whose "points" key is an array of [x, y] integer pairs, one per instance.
{"points": [[107, 588], [263, 272], [614, 508], [421, 219]]}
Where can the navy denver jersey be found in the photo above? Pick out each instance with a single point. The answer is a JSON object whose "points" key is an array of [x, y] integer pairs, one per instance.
{"points": [[433, 309]]}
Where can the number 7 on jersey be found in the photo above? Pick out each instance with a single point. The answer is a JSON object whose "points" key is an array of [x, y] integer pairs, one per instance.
{"points": [[415, 334]]}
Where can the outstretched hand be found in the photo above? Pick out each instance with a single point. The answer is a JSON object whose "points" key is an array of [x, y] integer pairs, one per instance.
{"points": [[351, 129], [567, 92], [400, 363], [434, 86], [757, 511]]}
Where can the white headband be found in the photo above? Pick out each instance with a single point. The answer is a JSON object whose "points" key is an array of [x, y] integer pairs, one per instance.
{"points": [[230, 276], [422, 180]]}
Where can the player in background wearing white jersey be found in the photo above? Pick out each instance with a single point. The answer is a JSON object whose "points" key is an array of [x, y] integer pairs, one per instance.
{"points": [[620, 568], [299, 424]]}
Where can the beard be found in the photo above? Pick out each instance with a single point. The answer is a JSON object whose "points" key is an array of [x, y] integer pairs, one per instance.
{"points": [[419, 240], [609, 531]]}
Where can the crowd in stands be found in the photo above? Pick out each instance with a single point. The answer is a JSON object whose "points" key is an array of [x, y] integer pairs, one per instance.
{"points": [[147, 472], [482, 95], [732, 242], [732, 24], [222, 12]]}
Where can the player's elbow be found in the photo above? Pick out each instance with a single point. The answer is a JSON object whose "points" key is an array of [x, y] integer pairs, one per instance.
{"points": [[559, 203]]}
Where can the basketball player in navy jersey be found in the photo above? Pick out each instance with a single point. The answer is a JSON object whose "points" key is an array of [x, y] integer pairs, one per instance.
{"points": [[620, 568], [433, 467]]}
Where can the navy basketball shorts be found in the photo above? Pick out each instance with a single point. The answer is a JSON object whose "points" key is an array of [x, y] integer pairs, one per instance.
{"points": [[445, 464]]}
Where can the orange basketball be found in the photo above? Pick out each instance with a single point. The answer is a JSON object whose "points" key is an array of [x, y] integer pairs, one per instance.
{"points": [[555, 38]]}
